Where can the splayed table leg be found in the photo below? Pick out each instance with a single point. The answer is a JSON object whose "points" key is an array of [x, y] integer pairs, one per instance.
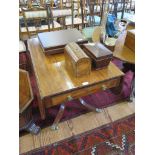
{"points": [[58, 117], [88, 106]]}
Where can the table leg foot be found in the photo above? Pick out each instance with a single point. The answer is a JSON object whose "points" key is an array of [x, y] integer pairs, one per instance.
{"points": [[54, 126], [98, 110], [90, 107], [33, 128]]}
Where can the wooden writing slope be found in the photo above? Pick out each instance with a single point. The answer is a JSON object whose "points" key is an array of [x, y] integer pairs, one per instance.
{"points": [[56, 85], [54, 42]]}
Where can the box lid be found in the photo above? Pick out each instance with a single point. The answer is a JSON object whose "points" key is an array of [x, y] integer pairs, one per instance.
{"points": [[75, 51], [97, 50], [56, 39]]}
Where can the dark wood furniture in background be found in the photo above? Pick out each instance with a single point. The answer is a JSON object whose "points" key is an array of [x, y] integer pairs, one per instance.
{"points": [[122, 6], [92, 12], [69, 14], [25, 99], [32, 19], [56, 85], [38, 20]]}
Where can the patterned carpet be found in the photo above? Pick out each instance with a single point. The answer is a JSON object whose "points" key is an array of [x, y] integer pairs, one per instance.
{"points": [[117, 138]]}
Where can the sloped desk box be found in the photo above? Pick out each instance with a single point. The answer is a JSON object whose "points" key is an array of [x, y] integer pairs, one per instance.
{"points": [[54, 42], [76, 61], [100, 55]]}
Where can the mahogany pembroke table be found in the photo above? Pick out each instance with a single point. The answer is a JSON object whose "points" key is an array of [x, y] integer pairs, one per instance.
{"points": [[57, 86]]}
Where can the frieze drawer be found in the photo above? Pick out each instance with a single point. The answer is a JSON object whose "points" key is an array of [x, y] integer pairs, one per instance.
{"points": [[82, 92]]}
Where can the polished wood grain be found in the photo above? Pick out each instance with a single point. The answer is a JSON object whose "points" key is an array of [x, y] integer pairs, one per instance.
{"points": [[55, 83], [123, 52]]}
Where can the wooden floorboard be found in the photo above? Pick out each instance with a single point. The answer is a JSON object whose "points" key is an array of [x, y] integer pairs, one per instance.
{"points": [[47, 136], [121, 110], [26, 143], [75, 126], [87, 122]]}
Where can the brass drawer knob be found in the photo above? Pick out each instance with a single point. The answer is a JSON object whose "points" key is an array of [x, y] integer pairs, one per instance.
{"points": [[104, 87], [69, 98]]}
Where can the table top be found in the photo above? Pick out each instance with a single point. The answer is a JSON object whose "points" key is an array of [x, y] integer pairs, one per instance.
{"points": [[60, 38], [53, 78], [123, 52]]}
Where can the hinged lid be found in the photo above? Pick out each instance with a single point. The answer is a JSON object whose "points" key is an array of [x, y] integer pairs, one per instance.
{"points": [[97, 50], [57, 39], [75, 51]]}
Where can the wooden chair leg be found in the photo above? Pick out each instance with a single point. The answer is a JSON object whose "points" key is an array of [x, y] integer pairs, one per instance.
{"points": [[122, 16]]}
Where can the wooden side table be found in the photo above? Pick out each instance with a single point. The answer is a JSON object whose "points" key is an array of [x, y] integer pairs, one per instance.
{"points": [[25, 98], [56, 85]]}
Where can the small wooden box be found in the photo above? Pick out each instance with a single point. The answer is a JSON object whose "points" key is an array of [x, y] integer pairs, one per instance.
{"points": [[77, 62], [130, 39], [100, 55], [55, 41]]}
